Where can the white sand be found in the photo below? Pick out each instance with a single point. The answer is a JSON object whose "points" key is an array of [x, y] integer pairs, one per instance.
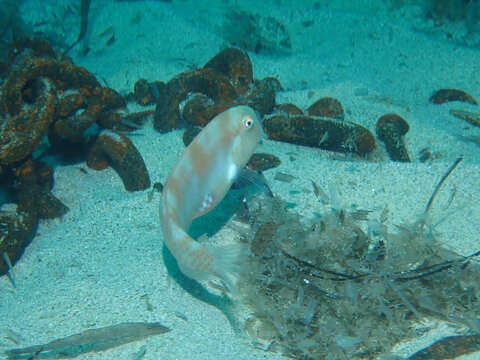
{"points": [[102, 263]]}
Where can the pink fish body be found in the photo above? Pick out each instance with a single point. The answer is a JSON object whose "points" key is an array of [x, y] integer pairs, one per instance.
{"points": [[198, 182]]}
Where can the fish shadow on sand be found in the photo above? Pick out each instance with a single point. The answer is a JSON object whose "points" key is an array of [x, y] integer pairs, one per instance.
{"points": [[208, 224]]}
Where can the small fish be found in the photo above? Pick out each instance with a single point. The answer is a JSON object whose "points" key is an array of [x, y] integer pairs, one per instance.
{"points": [[90, 340], [319, 193], [249, 177], [198, 182], [280, 176], [323, 138], [475, 139], [9, 266], [469, 116]]}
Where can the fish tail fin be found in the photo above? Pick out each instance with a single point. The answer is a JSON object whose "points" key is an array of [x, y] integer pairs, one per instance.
{"points": [[228, 264], [208, 262]]}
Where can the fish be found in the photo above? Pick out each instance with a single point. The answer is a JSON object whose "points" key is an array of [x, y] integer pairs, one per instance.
{"points": [[84, 10], [91, 340], [197, 183]]}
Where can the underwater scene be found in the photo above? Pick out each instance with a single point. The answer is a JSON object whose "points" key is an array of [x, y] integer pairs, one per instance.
{"points": [[226, 179]]}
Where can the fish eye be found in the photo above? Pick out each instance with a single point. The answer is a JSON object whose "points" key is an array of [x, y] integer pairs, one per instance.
{"points": [[248, 122]]}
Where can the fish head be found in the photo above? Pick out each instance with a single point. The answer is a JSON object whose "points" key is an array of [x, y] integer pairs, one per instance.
{"points": [[247, 126]]}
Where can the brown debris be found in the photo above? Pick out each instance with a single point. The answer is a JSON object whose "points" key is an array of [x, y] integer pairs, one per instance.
{"points": [[35, 201], [205, 81], [390, 129], [111, 99], [36, 73], [262, 162], [50, 207], [44, 174], [116, 150], [26, 68], [327, 107], [289, 108], [24, 130], [142, 92], [273, 83], [38, 46], [73, 127], [325, 133], [66, 76], [68, 104], [190, 134], [129, 122], [234, 64], [225, 81], [446, 95], [261, 97], [199, 110], [424, 154], [146, 93], [17, 231], [44, 95]]}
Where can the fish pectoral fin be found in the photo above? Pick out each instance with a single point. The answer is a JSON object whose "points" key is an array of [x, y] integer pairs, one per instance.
{"points": [[214, 197], [208, 203]]}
